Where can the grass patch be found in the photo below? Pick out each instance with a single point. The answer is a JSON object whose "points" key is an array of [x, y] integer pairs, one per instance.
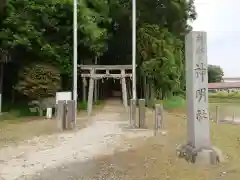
{"points": [[223, 100], [156, 158], [224, 97], [16, 112], [15, 128], [230, 95], [175, 102], [83, 105]]}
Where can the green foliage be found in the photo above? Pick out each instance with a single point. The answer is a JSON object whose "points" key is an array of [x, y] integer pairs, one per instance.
{"points": [[162, 26], [38, 81], [35, 32], [215, 74], [31, 26], [174, 102], [82, 105], [161, 56]]}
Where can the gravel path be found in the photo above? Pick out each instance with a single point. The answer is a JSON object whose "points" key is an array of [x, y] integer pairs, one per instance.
{"points": [[42, 157]]}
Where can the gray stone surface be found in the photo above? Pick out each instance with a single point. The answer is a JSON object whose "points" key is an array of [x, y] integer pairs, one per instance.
{"points": [[158, 116], [197, 90], [84, 89], [61, 115], [198, 147], [90, 93], [70, 114], [203, 156], [217, 114], [133, 113], [142, 113], [124, 89]]}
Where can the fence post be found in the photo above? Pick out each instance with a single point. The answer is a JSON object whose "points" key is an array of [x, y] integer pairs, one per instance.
{"points": [[158, 118], [217, 114], [49, 113], [133, 113], [142, 113], [233, 117], [61, 115], [70, 114]]}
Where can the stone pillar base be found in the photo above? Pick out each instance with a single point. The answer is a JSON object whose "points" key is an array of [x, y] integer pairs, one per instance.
{"points": [[202, 156]]}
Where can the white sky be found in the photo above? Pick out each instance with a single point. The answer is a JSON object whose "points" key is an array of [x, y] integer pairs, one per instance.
{"points": [[219, 18]]}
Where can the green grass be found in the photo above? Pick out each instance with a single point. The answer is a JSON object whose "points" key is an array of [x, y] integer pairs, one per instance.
{"points": [[19, 111], [178, 102], [224, 97], [16, 111], [231, 95], [156, 157], [83, 105], [175, 102]]}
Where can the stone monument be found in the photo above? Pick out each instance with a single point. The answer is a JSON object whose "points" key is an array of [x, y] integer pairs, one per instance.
{"points": [[198, 148]]}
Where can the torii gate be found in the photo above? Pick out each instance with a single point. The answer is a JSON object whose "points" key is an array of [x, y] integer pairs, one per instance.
{"points": [[97, 72]]}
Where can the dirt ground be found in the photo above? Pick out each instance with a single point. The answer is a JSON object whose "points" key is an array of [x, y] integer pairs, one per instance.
{"points": [[155, 158], [14, 131]]}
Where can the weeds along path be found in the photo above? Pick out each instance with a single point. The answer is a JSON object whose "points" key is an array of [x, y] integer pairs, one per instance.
{"points": [[103, 135]]}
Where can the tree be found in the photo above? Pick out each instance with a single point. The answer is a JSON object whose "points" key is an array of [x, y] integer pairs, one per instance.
{"points": [[215, 74], [39, 81], [31, 26], [161, 27], [34, 31], [161, 54]]}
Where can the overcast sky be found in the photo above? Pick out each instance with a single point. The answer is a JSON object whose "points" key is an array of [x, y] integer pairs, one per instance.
{"points": [[220, 19]]}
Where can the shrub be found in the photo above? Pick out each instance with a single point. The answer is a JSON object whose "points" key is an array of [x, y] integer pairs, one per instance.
{"points": [[38, 81]]}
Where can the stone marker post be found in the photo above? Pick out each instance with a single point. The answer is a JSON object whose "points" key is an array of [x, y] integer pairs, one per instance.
{"points": [[133, 113], [90, 92], [49, 113], [217, 114], [158, 125], [198, 147], [124, 89], [70, 114], [233, 116], [61, 109], [84, 89], [142, 113]]}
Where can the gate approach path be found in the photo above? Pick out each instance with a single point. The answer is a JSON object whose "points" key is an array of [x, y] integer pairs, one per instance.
{"points": [[71, 155]]}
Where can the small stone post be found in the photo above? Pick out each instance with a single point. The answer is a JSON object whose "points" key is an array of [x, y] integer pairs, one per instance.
{"points": [[90, 92], [124, 89], [95, 91], [133, 113], [142, 113], [233, 116], [84, 89], [70, 114], [217, 114], [158, 125], [49, 113], [61, 116]]}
